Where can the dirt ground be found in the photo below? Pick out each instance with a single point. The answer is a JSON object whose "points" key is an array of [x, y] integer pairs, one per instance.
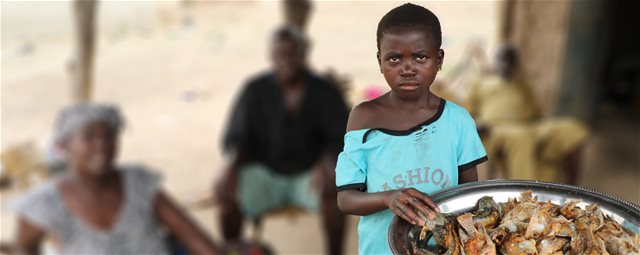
{"points": [[174, 71]]}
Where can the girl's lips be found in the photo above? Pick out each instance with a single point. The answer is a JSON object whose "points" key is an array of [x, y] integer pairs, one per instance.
{"points": [[409, 86]]}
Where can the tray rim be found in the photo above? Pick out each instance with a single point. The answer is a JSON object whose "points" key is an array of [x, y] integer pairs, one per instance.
{"points": [[630, 209], [466, 186]]}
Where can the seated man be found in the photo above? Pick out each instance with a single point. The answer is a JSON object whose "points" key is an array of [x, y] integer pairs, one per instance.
{"points": [[518, 139], [282, 141]]}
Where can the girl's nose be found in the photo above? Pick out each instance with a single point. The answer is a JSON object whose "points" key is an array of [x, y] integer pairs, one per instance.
{"points": [[407, 69]]}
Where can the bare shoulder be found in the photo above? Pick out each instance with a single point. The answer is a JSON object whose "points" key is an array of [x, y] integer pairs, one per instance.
{"points": [[363, 115]]}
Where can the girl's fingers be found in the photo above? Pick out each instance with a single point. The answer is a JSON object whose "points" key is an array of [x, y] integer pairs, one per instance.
{"points": [[415, 219], [421, 207], [401, 215], [426, 199]]}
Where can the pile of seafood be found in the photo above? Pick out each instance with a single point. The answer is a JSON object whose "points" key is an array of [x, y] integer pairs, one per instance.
{"points": [[526, 226]]}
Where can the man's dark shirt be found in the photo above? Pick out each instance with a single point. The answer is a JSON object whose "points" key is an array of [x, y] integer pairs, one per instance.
{"points": [[261, 127]]}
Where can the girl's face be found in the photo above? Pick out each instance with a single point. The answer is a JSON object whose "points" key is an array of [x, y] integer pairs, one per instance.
{"points": [[92, 150], [409, 59]]}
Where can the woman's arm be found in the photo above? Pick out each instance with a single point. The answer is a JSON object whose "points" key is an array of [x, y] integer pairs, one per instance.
{"points": [[28, 238], [405, 203], [180, 226]]}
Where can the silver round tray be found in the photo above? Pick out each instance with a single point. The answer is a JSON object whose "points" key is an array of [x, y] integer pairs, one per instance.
{"points": [[462, 198]]}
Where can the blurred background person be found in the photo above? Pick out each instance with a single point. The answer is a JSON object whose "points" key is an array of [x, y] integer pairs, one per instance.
{"points": [[282, 142], [99, 207], [522, 143]]}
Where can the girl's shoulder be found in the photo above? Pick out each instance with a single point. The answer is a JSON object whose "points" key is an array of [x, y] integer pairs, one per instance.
{"points": [[456, 113], [455, 108], [364, 115], [368, 114]]}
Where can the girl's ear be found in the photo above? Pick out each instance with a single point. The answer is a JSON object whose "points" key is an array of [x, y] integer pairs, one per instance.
{"points": [[379, 61], [440, 58]]}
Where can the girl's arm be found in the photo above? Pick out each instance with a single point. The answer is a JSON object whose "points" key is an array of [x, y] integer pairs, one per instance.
{"points": [[182, 227], [468, 175], [405, 203], [28, 238]]}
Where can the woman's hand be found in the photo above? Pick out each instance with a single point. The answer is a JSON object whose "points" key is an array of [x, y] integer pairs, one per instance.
{"points": [[408, 203]]}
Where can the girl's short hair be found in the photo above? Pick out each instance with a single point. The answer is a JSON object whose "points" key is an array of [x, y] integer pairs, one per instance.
{"points": [[411, 16]]}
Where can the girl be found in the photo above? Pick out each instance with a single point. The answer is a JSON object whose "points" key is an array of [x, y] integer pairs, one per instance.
{"points": [[408, 142]]}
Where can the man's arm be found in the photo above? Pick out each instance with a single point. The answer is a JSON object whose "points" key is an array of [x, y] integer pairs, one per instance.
{"points": [[534, 103], [324, 173], [334, 121], [236, 144], [225, 187]]}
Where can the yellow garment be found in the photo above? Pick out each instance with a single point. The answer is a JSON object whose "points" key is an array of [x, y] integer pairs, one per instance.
{"points": [[495, 101], [519, 144], [534, 151], [510, 148], [555, 139]]}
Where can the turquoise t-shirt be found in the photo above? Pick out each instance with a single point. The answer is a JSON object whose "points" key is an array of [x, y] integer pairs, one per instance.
{"points": [[427, 157]]}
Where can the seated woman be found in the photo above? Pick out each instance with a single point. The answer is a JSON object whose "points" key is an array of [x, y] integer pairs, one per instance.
{"points": [[98, 207]]}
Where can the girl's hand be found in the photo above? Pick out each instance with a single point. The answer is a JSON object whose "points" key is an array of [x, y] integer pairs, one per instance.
{"points": [[407, 203]]}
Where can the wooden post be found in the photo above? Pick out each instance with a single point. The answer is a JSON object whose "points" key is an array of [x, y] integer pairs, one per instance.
{"points": [[296, 12], [81, 68], [505, 21]]}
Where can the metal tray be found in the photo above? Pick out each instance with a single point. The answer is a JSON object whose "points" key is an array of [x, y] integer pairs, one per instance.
{"points": [[462, 198]]}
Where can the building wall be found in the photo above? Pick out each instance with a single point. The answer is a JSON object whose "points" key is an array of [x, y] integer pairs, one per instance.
{"points": [[538, 30]]}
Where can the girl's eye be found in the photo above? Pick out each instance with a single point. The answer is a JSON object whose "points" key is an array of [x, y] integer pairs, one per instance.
{"points": [[421, 58], [394, 59]]}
